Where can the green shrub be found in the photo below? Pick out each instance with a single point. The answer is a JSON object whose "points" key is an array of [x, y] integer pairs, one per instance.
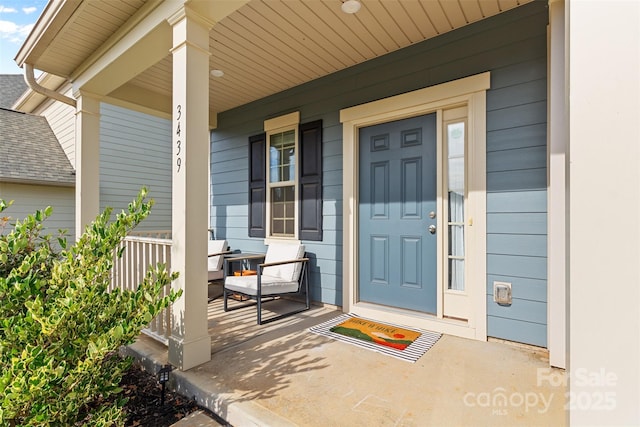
{"points": [[60, 329]]}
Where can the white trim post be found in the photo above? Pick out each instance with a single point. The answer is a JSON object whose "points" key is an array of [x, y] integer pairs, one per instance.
{"points": [[87, 146], [190, 343], [557, 216], [604, 207]]}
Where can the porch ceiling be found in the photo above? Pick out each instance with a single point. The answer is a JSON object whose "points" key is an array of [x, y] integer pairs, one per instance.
{"points": [[264, 47]]}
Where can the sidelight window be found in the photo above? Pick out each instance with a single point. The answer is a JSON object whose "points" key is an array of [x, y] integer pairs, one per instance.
{"points": [[455, 135]]}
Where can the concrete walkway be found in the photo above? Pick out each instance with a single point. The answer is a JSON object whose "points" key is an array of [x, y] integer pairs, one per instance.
{"points": [[197, 419], [282, 375]]}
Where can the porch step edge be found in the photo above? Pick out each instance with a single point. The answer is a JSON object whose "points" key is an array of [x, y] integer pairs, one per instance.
{"points": [[228, 406]]}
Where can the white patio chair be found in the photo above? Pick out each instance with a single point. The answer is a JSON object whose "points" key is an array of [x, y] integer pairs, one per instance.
{"points": [[215, 256], [283, 272]]}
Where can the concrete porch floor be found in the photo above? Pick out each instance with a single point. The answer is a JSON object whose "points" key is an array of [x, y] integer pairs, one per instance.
{"points": [[280, 374]]}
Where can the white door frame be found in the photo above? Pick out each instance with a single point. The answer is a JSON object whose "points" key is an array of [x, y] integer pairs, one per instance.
{"points": [[470, 91]]}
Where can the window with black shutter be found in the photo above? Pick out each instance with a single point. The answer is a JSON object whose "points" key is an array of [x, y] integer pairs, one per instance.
{"points": [[285, 180]]}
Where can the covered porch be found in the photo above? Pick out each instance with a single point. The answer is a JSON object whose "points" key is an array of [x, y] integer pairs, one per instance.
{"points": [[284, 375], [195, 62], [165, 58]]}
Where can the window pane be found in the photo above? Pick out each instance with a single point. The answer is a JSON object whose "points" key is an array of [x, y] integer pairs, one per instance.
{"points": [[276, 139], [456, 274], [456, 240], [277, 226], [278, 210], [289, 227], [456, 174], [276, 195], [288, 155], [289, 193], [274, 162], [289, 137], [288, 164], [289, 210], [283, 211], [455, 139], [456, 207], [282, 156]]}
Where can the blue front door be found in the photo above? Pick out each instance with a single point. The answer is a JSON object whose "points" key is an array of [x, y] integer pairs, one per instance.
{"points": [[397, 193]]}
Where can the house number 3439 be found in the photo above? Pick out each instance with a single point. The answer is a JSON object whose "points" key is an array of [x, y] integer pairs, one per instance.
{"points": [[178, 142]]}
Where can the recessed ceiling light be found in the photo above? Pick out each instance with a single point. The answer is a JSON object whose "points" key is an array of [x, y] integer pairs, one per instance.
{"points": [[351, 6], [217, 73]]}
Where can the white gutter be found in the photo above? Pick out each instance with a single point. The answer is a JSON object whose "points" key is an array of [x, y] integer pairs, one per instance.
{"points": [[33, 85]]}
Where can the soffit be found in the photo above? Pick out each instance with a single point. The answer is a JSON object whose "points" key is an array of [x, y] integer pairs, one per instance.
{"points": [[267, 46], [64, 46]]}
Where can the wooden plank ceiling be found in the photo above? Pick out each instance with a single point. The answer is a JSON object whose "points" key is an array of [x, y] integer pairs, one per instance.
{"points": [[268, 46], [91, 24]]}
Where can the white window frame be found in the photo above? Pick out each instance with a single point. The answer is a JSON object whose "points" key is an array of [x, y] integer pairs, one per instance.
{"points": [[273, 126]]}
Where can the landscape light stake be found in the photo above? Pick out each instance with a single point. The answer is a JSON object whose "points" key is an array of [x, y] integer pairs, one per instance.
{"points": [[163, 377]]}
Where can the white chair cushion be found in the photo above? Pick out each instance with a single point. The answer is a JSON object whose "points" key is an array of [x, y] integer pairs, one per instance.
{"points": [[215, 275], [284, 252], [214, 263], [249, 285]]}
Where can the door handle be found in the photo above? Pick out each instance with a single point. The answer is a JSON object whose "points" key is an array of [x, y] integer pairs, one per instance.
{"points": [[432, 229]]}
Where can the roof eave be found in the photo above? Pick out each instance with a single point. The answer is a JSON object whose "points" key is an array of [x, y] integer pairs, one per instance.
{"points": [[26, 181], [30, 100], [55, 15]]}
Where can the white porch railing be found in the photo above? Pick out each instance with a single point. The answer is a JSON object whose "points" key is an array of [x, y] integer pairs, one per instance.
{"points": [[144, 249]]}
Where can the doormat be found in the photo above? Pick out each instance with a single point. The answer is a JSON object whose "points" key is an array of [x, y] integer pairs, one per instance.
{"points": [[400, 342]]}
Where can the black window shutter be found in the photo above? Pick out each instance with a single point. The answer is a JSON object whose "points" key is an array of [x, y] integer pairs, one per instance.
{"points": [[310, 181], [257, 185]]}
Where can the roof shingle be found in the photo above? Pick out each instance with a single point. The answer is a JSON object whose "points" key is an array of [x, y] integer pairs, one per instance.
{"points": [[12, 86], [30, 152]]}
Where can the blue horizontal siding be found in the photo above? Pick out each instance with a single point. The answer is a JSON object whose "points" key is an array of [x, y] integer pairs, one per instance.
{"points": [[135, 151], [518, 94], [520, 309], [520, 137], [518, 330], [512, 46], [517, 180], [517, 201], [530, 69], [516, 193], [517, 159], [519, 115], [517, 223], [518, 266], [517, 244]]}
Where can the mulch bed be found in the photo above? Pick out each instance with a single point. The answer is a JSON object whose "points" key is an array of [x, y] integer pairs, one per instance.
{"points": [[144, 406]]}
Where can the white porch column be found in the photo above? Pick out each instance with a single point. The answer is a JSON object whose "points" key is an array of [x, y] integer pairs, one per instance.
{"points": [[87, 144], [604, 212], [190, 343], [557, 229]]}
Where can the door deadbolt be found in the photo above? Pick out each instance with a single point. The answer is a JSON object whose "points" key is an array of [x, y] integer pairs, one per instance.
{"points": [[432, 229], [432, 214]]}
